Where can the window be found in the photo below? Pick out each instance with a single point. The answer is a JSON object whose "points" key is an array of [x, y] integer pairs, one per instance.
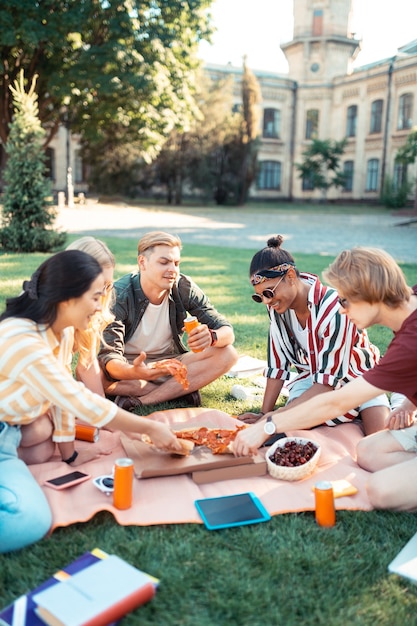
{"points": [[317, 22], [405, 111], [312, 124], [400, 175], [272, 123], [78, 173], [50, 163], [307, 183], [376, 116], [352, 114], [269, 176], [372, 175], [348, 172]]}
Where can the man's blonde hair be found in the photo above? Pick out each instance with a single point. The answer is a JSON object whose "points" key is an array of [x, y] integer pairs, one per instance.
{"points": [[87, 342], [157, 238], [369, 275]]}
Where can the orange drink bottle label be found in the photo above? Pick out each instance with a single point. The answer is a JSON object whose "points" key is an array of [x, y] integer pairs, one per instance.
{"points": [[325, 511], [191, 322], [123, 483], [86, 432]]}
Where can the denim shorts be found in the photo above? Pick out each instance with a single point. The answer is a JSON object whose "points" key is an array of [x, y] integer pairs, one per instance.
{"points": [[406, 437]]}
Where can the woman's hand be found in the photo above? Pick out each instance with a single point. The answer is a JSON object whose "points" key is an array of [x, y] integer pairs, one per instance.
{"points": [[89, 454], [163, 437], [402, 417], [250, 418], [249, 440]]}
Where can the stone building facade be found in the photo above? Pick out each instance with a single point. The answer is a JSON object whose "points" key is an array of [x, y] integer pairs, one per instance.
{"points": [[373, 106]]}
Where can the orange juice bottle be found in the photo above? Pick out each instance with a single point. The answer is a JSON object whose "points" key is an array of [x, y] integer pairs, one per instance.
{"points": [[325, 510], [191, 322], [123, 483]]}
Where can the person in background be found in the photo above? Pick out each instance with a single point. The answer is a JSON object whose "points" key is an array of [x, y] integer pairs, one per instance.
{"points": [[36, 347], [150, 309], [308, 332], [87, 342], [372, 290], [36, 444]]}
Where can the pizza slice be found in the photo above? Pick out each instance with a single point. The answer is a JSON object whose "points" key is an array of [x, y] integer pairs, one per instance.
{"points": [[176, 369], [218, 440]]}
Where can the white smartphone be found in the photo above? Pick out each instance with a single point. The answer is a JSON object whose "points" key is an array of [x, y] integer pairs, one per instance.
{"points": [[67, 480]]}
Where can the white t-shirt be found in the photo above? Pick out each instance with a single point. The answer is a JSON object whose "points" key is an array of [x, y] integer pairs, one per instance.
{"points": [[153, 334], [300, 333]]}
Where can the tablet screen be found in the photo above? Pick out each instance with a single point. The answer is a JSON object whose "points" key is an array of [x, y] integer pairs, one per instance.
{"points": [[236, 510]]}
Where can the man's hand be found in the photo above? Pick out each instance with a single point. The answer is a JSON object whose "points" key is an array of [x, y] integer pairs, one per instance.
{"points": [[250, 439], [153, 370]]}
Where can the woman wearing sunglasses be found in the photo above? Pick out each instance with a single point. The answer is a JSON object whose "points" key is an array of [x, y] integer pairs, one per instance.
{"points": [[308, 333]]}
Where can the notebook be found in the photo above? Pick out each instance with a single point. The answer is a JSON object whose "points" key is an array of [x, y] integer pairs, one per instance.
{"points": [[405, 563]]}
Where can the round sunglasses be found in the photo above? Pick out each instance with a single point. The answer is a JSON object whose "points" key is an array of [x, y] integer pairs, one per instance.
{"points": [[267, 293]]}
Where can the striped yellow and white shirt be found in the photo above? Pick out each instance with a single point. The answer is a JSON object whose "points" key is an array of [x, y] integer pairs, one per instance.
{"points": [[35, 377]]}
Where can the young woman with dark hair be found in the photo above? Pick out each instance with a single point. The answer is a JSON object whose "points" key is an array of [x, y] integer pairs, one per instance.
{"points": [[36, 345]]}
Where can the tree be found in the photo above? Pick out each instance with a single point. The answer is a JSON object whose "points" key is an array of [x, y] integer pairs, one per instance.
{"points": [[251, 96], [123, 69], [407, 155], [191, 158], [26, 217], [321, 164]]}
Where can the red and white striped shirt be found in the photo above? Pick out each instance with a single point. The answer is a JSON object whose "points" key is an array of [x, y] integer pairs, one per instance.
{"points": [[337, 350], [36, 377]]}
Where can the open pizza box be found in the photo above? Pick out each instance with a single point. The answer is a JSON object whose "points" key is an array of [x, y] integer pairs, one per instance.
{"points": [[202, 464]]}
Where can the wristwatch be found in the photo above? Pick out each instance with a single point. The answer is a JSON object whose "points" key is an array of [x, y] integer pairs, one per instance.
{"points": [[213, 337], [269, 426]]}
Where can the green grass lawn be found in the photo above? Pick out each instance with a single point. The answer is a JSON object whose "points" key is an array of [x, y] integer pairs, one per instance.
{"points": [[285, 572]]}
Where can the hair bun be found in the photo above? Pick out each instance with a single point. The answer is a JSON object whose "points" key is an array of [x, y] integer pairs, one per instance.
{"points": [[275, 242]]}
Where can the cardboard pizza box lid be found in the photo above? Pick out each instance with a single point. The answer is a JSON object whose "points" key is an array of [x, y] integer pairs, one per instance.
{"points": [[257, 467]]}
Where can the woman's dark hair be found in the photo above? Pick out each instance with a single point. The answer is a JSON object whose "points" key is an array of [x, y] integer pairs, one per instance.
{"points": [[63, 276], [271, 256]]}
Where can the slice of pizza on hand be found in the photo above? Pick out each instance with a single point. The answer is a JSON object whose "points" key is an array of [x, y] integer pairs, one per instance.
{"points": [[176, 369]]}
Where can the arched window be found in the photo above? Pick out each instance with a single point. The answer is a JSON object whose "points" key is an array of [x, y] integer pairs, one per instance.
{"points": [[348, 167], [372, 173], [272, 123], [376, 116], [312, 123], [269, 176], [405, 111], [351, 117]]}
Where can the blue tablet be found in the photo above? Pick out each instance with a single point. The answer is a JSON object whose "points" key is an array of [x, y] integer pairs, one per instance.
{"points": [[226, 511]]}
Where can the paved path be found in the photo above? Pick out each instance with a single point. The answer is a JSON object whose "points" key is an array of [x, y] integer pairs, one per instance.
{"points": [[316, 233]]}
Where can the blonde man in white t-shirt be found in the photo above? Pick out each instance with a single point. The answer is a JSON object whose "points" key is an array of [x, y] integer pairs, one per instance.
{"points": [[150, 309]]}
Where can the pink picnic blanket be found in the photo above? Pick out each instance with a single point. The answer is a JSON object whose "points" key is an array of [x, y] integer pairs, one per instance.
{"points": [[170, 499]]}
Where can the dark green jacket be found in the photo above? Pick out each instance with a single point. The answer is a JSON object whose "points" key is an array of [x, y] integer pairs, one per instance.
{"points": [[185, 298]]}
